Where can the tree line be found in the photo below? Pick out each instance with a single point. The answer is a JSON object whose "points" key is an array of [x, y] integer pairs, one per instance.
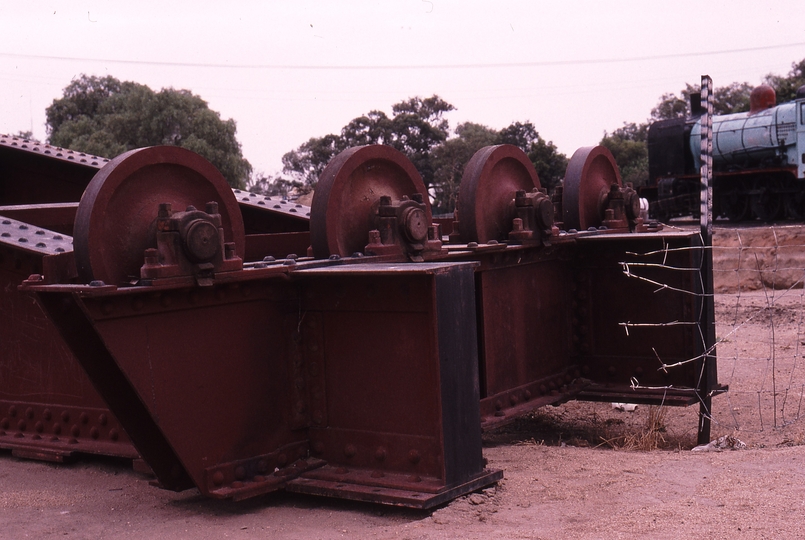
{"points": [[106, 117], [418, 129]]}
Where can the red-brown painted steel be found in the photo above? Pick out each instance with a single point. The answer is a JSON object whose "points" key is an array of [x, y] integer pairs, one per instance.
{"points": [[48, 408], [121, 203], [262, 214], [37, 173], [486, 199], [590, 174], [288, 384], [349, 191], [367, 377], [57, 217]]}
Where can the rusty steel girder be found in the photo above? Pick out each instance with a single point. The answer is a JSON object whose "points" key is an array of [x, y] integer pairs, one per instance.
{"points": [[41, 184], [253, 397], [365, 371], [272, 383], [48, 407], [550, 314]]}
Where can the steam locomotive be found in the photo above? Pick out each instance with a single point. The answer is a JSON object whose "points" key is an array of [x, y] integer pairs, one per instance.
{"points": [[758, 161]]}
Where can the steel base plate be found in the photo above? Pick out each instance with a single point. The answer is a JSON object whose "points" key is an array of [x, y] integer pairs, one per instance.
{"points": [[377, 493]]}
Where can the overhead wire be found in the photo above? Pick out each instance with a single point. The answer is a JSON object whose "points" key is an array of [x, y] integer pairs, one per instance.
{"points": [[334, 67]]}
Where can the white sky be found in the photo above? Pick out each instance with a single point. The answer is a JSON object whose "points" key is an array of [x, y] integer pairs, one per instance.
{"points": [[288, 71]]}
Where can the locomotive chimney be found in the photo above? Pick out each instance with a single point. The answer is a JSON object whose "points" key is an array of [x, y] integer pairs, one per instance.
{"points": [[696, 104], [762, 98]]}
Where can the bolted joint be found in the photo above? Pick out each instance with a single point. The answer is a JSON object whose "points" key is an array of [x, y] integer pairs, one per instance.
{"points": [[164, 210], [613, 208], [415, 224], [402, 227], [534, 212], [201, 241], [544, 212], [631, 202], [189, 243]]}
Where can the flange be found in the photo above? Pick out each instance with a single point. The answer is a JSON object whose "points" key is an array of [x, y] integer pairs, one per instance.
{"points": [[488, 187], [348, 194], [590, 174], [115, 221]]}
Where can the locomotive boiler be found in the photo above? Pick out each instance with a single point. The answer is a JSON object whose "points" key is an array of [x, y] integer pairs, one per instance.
{"points": [[758, 161]]}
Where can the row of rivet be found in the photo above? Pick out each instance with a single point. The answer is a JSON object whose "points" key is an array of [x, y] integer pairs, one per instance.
{"points": [[55, 424], [553, 386], [40, 238], [55, 151], [257, 469], [379, 455], [283, 205]]}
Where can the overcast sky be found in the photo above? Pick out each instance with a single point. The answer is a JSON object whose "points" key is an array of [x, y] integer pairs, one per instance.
{"points": [[288, 71]]}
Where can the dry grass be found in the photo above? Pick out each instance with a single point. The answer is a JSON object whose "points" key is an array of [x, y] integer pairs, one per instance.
{"points": [[651, 437], [599, 425]]}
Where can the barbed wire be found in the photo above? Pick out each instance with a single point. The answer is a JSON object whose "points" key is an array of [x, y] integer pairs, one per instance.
{"points": [[760, 324]]}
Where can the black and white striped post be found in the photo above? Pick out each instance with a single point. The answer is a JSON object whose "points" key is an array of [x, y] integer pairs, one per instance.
{"points": [[707, 314], [706, 170]]}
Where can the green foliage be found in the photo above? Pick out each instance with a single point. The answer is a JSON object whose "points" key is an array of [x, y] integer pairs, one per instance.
{"points": [[670, 106], [306, 163], [419, 130], [628, 147], [549, 162], [451, 157], [106, 117], [449, 160], [786, 87], [416, 127], [26, 135], [733, 98], [265, 184], [730, 99]]}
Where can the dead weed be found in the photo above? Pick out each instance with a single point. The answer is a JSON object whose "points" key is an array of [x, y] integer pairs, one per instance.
{"points": [[651, 437]]}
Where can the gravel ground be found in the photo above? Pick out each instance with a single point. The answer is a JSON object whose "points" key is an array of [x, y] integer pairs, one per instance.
{"points": [[548, 492]]}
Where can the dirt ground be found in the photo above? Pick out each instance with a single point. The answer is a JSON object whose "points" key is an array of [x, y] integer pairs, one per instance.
{"points": [[580, 470]]}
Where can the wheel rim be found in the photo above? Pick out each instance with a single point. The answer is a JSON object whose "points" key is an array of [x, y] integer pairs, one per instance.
{"points": [[795, 201], [115, 220], [768, 204], [489, 184], [734, 204], [590, 173], [348, 194]]}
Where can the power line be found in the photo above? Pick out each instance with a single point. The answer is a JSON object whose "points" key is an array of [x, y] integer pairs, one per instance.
{"points": [[324, 67]]}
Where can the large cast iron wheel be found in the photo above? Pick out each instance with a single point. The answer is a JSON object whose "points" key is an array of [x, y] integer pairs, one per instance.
{"points": [[795, 200], [590, 174], [767, 203], [733, 201], [348, 194], [116, 217], [489, 184]]}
